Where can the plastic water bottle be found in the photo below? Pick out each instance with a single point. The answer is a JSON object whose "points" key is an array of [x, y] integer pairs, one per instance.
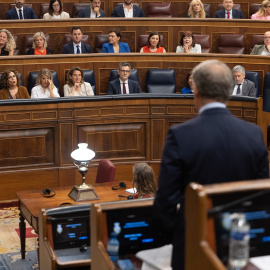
{"points": [[239, 241], [113, 247]]}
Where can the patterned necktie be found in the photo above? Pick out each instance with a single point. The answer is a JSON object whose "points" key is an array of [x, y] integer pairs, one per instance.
{"points": [[20, 14], [78, 49], [228, 15], [124, 88], [238, 90]]}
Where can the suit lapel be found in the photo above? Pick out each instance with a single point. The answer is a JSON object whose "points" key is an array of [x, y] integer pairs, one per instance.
{"points": [[244, 88], [130, 87], [15, 14], [134, 11], [122, 11]]}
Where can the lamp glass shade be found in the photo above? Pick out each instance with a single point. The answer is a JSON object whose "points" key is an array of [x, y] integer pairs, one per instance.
{"points": [[83, 153]]}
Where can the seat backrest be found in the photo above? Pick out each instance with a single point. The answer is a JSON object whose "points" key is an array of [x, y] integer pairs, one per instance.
{"points": [[256, 40], [231, 44], [68, 38], [135, 4], [28, 42], [44, 7], [32, 80], [143, 41], [134, 75], [105, 172], [160, 81], [266, 93], [20, 76], [254, 77], [89, 76], [254, 7], [25, 5], [204, 41], [235, 6], [77, 7], [99, 41], [17, 50], [206, 8], [159, 10]]}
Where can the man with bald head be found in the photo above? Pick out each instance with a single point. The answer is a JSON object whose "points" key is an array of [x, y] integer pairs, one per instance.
{"points": [[213, 147], [263, 49]]}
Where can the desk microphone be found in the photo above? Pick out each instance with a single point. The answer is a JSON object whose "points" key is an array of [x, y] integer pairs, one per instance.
{"points": [[129, 197]]}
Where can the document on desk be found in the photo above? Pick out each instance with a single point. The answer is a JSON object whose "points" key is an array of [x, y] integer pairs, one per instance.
{"points": [[131, 190], [262, 262], [156, 258]]}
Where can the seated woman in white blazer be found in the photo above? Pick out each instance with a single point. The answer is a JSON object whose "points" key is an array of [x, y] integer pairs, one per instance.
{"points": [[56, 11]]}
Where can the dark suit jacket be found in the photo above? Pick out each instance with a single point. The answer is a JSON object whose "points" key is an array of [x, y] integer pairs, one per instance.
{"points": [[237, 14], [85, 13], [28, 13], [213, 147], [115, 88], [118, 11], [69, 49], [248, 88]]}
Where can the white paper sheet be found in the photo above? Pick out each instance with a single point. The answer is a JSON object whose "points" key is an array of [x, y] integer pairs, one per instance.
{"points": [[262, 262], [131, 190]]}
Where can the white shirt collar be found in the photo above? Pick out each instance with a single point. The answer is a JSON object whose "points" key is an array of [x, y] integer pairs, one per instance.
{"points": [[212, 105]]}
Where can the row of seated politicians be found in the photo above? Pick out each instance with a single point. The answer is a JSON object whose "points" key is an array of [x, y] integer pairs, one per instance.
{"points": [[54, 10], [122, 81], [152, 43]]}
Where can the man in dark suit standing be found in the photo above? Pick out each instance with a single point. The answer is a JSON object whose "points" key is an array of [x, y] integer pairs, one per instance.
{"points": [[76, 46], [241, 85], [19, 12], [93, 12], [213, 147], [228, 12], [127, 10], [123, 85]]}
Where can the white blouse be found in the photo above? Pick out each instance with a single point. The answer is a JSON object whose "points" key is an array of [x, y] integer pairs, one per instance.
{"points": [[196, 49], [37, 92], [86, 90]]}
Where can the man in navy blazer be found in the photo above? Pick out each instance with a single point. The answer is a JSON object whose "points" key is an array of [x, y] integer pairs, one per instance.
{"points": [[123, 85], [76, 46], [93, 12], [213, 147], [20, 12], [127, 10], [228, 12]]}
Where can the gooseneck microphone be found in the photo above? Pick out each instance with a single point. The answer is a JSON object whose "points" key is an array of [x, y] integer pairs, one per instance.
{"points": [[129, 197]]}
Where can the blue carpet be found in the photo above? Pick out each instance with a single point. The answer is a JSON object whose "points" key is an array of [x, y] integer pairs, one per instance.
{"points": [[13, 261]]}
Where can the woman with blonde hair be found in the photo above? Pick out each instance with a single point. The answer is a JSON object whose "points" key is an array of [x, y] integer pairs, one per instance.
{"points": [[44, 85], [39, 45], [76, 86], [144, 181], [7, 43], [196, 10], [263, 13]]}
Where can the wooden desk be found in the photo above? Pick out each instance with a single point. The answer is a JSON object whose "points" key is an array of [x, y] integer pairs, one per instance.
{"points": [[31, 201]]}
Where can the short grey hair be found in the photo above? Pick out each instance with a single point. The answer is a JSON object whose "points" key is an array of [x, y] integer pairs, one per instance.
{"points": [[124, 64], [213, 80], [239, 68]]}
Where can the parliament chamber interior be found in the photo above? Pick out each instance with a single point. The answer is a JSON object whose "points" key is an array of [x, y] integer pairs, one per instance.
{"points": [[39, 135]]}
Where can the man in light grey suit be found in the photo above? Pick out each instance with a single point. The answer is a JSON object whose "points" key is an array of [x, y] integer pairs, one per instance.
{"points": [[263, 49], [123, 85], [242, 86], [93, 12]]}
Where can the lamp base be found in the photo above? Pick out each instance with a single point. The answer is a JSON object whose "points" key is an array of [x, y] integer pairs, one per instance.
{"points": [[79, 194]]}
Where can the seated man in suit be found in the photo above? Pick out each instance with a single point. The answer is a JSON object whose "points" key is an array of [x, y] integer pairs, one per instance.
{"points": [[19, 12], [123, 85], [93, 12], [228, 12], [127, 10], [76, 46], [242, 86], [263, 49]]}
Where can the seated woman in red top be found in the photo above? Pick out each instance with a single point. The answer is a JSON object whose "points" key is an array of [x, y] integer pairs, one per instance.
{"points": [[39, 45], [144, 181], [153, 44]]}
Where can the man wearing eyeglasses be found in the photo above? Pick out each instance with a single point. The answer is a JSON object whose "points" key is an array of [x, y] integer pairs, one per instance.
{"points": [[93, 12], [123, 85], [263, 49]]}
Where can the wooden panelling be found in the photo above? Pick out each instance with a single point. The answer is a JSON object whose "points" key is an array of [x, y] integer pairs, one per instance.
{"points": [[137, 134]]}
